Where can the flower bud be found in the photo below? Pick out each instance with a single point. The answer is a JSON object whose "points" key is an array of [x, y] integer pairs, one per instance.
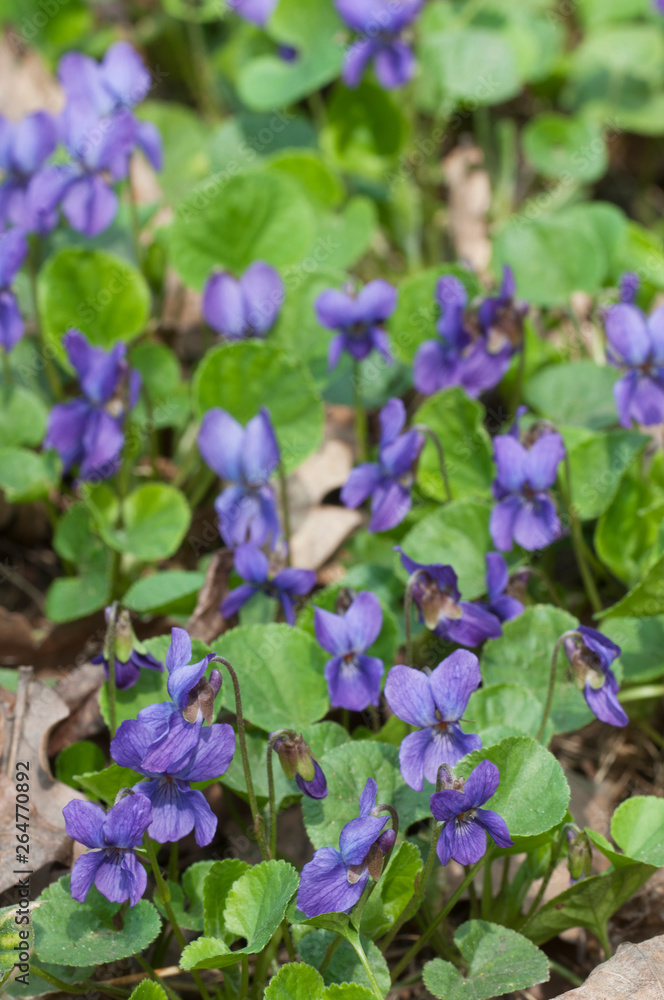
{"points": [[579, 853]]}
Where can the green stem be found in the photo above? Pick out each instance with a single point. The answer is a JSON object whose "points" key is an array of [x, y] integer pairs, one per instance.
{"points": [[288, 940], [170, 993], [603, 938], [331, 949], [438, 919], [535, 571], [548, 875], [244, 983], [552, 685], [438, 445], [579, 544], [518, 381], [360, 416], [79, 988], [420, 888], [7, 377], [173, 862], [33, 268], [135, 220], [242, 740], [286, 512], [487, 889], [354, 938], [270, 792], [566, 973], [164, 894], [641, 692], [201, 75], [112, 715]]}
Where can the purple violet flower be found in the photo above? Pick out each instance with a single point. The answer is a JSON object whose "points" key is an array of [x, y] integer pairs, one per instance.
{"points": [[24, 148], [246, 307], [500, 603], [381, 24], [116, 84], [245, 457], [88, 432], [435, 702], [353, 679], [112, 864], [13, 250], [297, 761], [169, 745], [335, 879], [390, 480], [436, 594], [463, 837], [358, 320], [254, 567], [255, 11], [130, 654], [456, 358], [629, 287], [591, 655], [636, 345], [526, 513], [501, 318]]}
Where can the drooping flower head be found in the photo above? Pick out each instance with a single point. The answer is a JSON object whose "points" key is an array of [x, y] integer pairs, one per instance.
{"points": [[353, 678], [435, 702], [388, 481], [286, 586], [130, 654], [246, 458], [24, 148], [169, 744], [463, 837], [526, 470], [111, 864], [88, 431], [501, 317], [297, 761], [636, 345], [500, 602], [13, 250], [358, 319], [435, 592], [245, 307], [456, 358], [591, 654], [255, 11], [110, 87], [335, 879], [381, 24]]}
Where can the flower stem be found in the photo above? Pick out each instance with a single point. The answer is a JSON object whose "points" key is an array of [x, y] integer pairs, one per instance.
{"points": [[551, 867], [33, 268], [552, 685], [438, 919], [579, 544], [360, 415], [79, 988], [270, 791], [244, 983], [354, 938], [286, 511], [112, 715], [164, 894], [419, 890], [438, 445], [242, 739]]}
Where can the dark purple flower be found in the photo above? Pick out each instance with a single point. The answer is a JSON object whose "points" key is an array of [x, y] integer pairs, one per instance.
{"points": [[130, 654], [117, 84], [353, 679], [13, 250], [463, 837], [170, 746], [435, 592], [501, 318], [591, 655], [381, 24], [254, 567], [24, 148], [88, 432], [255, 11], [245, 457], [629, 287], [388, 481], [636, 344], [435, 702], [526, 513], [358, 320], [112, 865], [335, 879], [298, 762], [246, 307], [457, 358], [500, 603]]}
